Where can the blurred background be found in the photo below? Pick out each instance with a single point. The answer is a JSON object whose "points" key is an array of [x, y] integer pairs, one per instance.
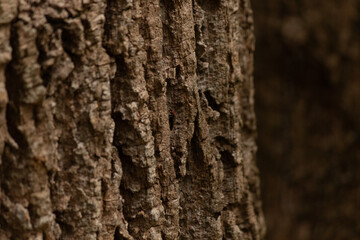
{"points": [[307, 81]]}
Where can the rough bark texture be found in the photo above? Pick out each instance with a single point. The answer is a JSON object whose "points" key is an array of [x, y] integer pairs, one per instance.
{"points": [[88, 147], [307, 94]]}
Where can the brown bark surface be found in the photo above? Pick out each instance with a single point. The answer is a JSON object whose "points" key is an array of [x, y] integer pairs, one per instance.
{"points": [[127, 119], [307, 82]]}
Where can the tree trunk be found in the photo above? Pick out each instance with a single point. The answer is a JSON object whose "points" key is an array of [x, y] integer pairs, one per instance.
{"points": [[127, 120]]}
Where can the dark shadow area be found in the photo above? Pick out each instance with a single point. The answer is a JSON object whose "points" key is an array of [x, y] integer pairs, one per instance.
{"points": [[307, 81]]}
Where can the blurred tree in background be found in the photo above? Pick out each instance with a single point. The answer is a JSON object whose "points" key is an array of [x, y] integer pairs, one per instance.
{"points": [[307, 81]]}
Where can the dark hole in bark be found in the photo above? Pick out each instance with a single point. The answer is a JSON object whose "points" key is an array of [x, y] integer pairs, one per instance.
{"points": [[227, 159], [229, 60], [163, 236], [117, 235], [119, 134], [211, 101], [104, 188], [178, 72], [171, 119], [11, 114], [13, 90], [67, 41], [70, 38], [209, 5], [217, 214], [63, 225], [170, 5], [113, 169], [198, 154]]}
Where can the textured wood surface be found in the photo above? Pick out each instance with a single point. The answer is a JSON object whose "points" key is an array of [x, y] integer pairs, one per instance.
{"points": [[86, 146]]}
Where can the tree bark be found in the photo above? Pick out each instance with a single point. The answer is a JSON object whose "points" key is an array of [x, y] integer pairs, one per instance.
{"points": [[127, 119]]}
